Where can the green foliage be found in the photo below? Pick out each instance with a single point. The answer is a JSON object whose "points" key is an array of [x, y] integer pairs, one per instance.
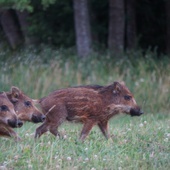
{"points": [[54, 25], [6, 3], [46, 3], [23, 4], [17, 4], [52, 22]]}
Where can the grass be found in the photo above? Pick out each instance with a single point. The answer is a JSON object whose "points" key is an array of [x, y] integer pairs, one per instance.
{"points": [[136, 143]]}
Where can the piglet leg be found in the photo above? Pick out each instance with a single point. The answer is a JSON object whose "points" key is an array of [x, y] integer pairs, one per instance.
{"points": [[104, 128], [86, 129], [40, 130]]}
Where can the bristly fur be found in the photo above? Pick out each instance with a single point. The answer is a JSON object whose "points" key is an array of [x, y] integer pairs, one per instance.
{"points": [[24, 106], [86, 104], [8, 118]]}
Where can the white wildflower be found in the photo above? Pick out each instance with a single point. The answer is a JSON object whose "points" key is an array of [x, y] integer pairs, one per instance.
{"points": [[29, 166], [142, 80], [95, 156], [125, 141], [93, 168], [57, 166], [136, 83], [141, 125], [3, 168], [168, 134], [65, 136], [86, 159], [69, 158], [166, 140], [59, 160], [27, 134], [16, 157]]}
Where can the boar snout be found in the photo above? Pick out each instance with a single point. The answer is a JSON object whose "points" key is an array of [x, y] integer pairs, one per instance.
{"points": [[13, 123], [19, 123], [38, 118], [136, 112], [43, 118]]}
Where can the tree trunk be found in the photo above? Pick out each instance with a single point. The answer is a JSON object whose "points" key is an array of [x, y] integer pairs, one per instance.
{"points": [[130, 24], [116, 26], [24, 24], [11, 29], [82, 27], [167, 4]]}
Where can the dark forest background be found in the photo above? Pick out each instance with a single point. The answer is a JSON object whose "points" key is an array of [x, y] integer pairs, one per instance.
{"points": [[88, 25]]}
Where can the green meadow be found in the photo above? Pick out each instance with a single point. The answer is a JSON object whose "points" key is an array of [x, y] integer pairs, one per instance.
{"points": [[136, 143]]}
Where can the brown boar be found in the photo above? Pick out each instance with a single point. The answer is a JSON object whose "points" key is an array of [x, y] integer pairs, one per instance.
{"points": [[90, 105], [8, 117], [24, 106]]}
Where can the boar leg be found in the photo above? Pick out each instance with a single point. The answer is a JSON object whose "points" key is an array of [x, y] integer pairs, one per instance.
{"points": [[54, 131], [15, 136], [104, 128], [41, 129], [8, 132], [5, 134], [54, 127], [86, 129], [56, 117]]}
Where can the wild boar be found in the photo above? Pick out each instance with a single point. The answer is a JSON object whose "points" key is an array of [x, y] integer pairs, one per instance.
{"points": [[24, 106], [8, 117], [90, 105]]}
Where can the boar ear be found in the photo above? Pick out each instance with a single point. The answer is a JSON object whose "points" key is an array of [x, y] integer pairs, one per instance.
{"points": [[15, 92], [3, 93], [117, 87]]}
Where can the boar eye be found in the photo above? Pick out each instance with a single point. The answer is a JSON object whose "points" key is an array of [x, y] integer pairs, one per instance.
{"points": [[28, 103], [127, 97], [4, 108]]}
